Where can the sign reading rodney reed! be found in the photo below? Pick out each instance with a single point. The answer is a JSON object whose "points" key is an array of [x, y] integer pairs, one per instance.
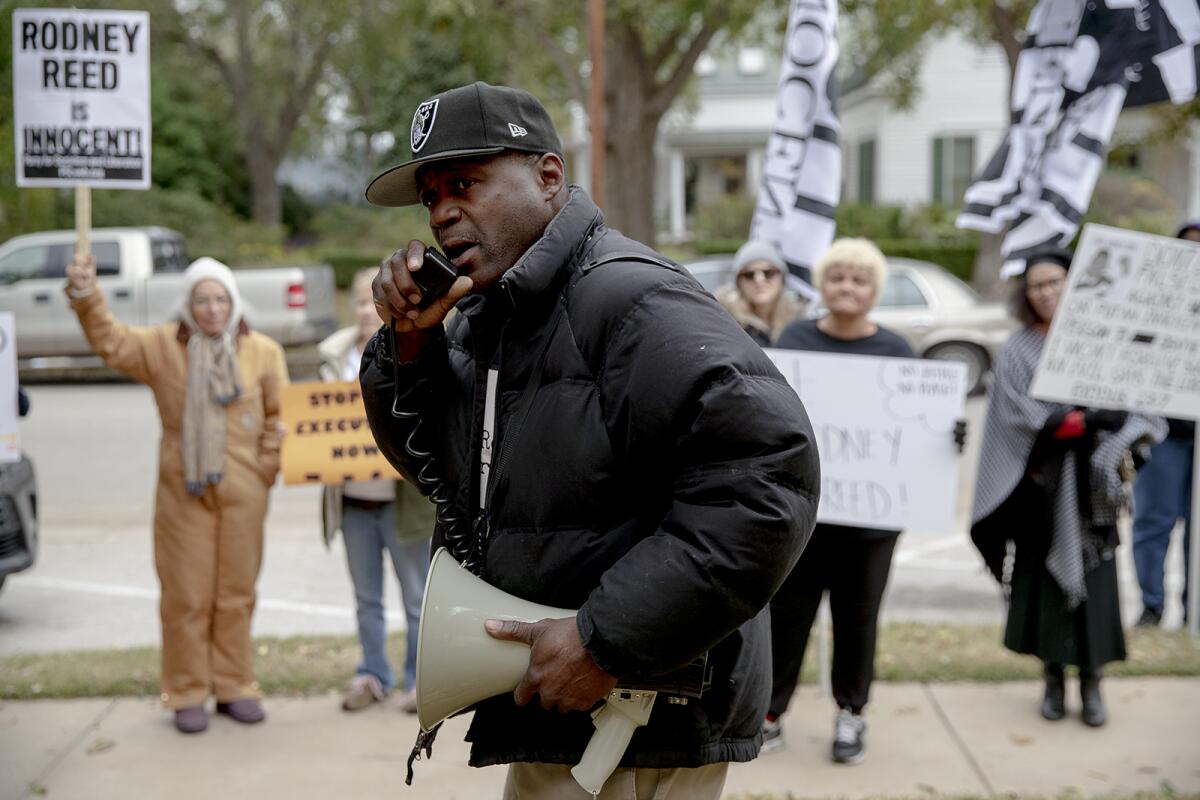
{"points": [[81, 97]]}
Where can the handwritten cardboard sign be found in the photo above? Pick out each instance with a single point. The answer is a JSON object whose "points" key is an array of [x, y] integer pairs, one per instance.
{"points": [[328, 439], [884, 430], [1126, 334]]}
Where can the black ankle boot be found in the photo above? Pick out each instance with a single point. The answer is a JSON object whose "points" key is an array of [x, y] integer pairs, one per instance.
{"points": [[1053, 706], [1093, 704]]}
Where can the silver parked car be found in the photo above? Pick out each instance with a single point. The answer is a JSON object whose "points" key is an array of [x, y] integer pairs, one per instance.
{"points": [[939, 315]]}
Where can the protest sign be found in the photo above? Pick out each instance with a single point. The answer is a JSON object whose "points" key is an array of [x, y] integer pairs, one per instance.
{"points": [[81, 97], [1126, 334], [884, 431], [10, 445], [328, 439]]}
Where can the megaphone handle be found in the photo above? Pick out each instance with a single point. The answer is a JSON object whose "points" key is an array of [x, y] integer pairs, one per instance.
{"points": [[622, 714]]}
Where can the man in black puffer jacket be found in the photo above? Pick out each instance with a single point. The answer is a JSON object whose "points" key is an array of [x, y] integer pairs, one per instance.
{"points": [[644, 461]]}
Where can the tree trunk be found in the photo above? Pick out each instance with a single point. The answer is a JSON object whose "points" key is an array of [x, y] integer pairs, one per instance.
{"points": [[266, 200], [631, 128], [629, 181], [985, 273]]}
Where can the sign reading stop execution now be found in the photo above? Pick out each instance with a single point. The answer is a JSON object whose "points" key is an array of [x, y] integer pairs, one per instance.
{"points": [[328, 440], [81, 97]]}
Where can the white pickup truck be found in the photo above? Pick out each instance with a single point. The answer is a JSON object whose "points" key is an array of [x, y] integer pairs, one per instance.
{"points": [[141, 273]]}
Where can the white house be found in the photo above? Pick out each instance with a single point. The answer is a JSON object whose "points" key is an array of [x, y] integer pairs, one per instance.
{"points": [[928, 152], [713, 142]]}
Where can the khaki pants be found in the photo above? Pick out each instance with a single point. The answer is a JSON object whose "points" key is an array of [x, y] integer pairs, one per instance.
{"points": [[208, 551], [554, 782]]}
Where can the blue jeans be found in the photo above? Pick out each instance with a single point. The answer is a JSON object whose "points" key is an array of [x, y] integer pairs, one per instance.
{"points": [[367, 533], [1162, 494]]}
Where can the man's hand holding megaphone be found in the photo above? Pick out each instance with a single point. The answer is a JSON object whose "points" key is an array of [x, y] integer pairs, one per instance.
{"points": [[466, 653], [562, 673]]}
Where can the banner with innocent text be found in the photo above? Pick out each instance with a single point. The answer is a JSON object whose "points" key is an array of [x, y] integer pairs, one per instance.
{"points": [[885, 434], [802, 173], [81, 97]]}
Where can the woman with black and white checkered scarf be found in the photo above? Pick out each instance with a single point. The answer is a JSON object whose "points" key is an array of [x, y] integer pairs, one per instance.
{"points": [[1050, 483]]}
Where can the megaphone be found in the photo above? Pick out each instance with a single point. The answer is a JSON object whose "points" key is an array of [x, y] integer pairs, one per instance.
{"points": [[459, 664]]}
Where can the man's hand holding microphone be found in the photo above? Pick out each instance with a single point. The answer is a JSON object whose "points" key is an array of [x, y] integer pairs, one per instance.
{"points": [[405, 306]]}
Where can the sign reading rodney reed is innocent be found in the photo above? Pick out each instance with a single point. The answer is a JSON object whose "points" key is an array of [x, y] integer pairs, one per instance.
{"points": [[81, 97]]}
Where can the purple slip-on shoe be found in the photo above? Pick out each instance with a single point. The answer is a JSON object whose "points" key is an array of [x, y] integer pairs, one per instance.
{"points": [[193, 719], [247, 710]]}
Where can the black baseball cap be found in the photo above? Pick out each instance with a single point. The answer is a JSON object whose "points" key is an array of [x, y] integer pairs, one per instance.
{"points": [[474, 120]]}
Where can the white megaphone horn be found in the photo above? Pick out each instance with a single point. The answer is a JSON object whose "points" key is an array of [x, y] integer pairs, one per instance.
{"points": [[459, 664]]}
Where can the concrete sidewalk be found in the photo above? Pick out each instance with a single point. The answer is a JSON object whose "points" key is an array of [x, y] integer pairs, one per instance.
{"points": [[976, 739]]}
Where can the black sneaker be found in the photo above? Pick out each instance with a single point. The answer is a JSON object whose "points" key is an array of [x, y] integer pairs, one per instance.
{"points": [[772, 733], [848, 737], [1150, 618]]}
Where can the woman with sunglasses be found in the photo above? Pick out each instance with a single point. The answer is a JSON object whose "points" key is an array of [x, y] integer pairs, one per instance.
{"points": [[758, 299]]}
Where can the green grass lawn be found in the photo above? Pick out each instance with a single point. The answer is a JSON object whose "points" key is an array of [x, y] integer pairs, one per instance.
{"points": [[305, 665]]}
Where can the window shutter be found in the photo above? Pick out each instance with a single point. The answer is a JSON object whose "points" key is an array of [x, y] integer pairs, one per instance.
{"points": [[938, 144]]}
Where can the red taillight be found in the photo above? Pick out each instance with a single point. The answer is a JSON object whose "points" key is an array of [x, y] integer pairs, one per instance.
{"points": [[295, 295]]}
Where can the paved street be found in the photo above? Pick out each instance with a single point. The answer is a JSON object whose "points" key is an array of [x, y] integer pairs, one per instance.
{"points": [[95, 448]]}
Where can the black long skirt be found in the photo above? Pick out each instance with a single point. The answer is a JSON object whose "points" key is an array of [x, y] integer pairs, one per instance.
{"points": [[1039, 621]]}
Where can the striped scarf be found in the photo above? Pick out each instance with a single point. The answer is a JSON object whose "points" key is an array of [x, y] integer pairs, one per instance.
{"points": [[1014, 420], [212, 384]]}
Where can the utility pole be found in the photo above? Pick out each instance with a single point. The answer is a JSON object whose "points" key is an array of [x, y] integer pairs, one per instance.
{"points": [[596, 99]]}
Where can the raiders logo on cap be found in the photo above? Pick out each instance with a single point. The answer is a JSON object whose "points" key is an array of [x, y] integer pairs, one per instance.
{"points": [[422, 124], [472, 121]]}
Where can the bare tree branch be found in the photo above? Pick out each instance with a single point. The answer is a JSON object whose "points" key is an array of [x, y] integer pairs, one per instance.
{"points": [[667, 46], [668, 90], [1005, 31], [297, 103]]}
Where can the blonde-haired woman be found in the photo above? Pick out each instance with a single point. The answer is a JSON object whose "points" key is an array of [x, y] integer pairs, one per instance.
{"points": [[851, 563], [217, 386], [758, 299]]}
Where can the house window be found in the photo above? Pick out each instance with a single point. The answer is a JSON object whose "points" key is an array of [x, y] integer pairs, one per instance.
{"points": [[953, 165], [706, 65], [752, 61], [866, 171]]}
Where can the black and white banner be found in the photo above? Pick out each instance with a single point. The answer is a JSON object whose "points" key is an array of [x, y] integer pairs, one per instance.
{"points": [[1083, 61], [81, 98], [802, 175]]}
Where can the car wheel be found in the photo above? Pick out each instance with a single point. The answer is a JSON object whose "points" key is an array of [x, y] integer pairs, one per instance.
{"points": [[974, 356]]}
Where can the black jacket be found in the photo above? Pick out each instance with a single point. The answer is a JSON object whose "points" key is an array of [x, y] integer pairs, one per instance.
{"points": [[663, 479]]}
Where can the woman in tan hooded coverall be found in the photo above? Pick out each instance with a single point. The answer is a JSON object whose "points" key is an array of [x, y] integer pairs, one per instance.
{"points": [[217, 386]]}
